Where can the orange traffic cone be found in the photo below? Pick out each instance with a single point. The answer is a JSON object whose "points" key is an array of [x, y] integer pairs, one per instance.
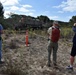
{"points": [[26, 38]]}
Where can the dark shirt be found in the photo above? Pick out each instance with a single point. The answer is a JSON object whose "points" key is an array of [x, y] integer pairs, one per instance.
{"points": [[1, 29], [74, 37]]}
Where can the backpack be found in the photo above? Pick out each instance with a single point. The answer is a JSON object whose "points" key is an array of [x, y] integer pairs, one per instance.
{"points": [[55, 34]]}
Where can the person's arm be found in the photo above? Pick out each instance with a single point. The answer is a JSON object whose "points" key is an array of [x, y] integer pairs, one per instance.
{"points": [[1, 29], [49, 32]]}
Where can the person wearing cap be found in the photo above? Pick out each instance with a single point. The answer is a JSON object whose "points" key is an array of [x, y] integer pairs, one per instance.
{"points": [[73, 50], [53, 37]]}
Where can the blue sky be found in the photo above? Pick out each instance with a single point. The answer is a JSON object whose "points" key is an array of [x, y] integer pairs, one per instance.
{"points": [[61, 10]]}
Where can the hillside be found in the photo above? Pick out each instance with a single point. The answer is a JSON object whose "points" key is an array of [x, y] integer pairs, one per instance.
{"points": [[32, 60]]}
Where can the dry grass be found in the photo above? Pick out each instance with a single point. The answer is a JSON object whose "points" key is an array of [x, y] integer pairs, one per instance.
{"points": [[21, 60]]}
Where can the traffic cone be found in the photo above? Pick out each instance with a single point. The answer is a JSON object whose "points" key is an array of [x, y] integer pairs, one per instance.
{"points": [[26, 38]]}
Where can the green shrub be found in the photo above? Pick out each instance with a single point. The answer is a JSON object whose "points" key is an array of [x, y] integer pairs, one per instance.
{"points": [[66, 33]]}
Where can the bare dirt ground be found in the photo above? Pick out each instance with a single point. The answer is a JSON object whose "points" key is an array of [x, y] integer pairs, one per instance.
{"points": [[32, 60]]}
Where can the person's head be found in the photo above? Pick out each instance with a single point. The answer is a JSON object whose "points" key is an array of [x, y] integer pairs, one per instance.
{"points": [[55, 23], [74, 24]]}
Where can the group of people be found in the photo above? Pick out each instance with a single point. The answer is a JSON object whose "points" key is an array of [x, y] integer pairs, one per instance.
{"points": [[53, 37]]}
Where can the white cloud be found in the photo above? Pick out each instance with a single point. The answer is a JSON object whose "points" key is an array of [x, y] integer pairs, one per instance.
{"points": [[53, 17], [23, 9], [27, 6], [31, 14], [69, 5], [6, 13], [9, 2], [15, 7]]}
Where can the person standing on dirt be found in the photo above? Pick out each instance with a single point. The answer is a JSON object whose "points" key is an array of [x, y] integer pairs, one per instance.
{"points": [[1, 31], [73, 50], [53, 35]]}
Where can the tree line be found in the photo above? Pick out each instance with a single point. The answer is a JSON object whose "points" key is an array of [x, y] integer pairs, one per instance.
{"points": [[41, 21]]}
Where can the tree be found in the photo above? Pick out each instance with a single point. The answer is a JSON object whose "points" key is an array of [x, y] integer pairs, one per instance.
{"points": [[72, 20], [43, 19], [1, 9]]}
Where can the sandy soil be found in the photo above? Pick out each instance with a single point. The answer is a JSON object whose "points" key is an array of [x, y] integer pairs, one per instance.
{"points": [[32, 60]]}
